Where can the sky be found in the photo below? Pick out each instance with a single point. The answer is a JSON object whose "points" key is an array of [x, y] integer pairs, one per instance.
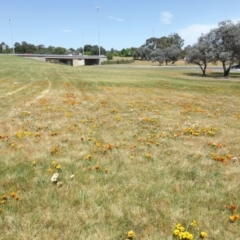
{"points": [[114, 24]]}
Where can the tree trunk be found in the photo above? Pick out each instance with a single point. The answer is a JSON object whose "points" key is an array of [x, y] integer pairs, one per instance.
{"points": [[226, 72], [203, 68]]}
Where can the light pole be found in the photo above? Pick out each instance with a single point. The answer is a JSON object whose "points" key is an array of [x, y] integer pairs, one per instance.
{"points": [[97, 7], [82, 45], [10, 25]]}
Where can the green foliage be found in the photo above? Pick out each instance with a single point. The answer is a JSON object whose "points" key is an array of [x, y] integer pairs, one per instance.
{"points": [[109, 56], [119, 61]]}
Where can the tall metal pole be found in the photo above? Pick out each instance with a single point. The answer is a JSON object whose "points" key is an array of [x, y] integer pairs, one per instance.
{"points": [[97, 7], [10, 25], [82, 45]]}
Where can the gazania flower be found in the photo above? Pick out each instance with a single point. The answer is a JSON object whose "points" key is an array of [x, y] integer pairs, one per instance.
{"points": [[4, 197], [131, 234], [58, 167], [176, 232], [12, 194], [54, 178], [59, 184], [193, 223], [233, 207], [234, 217], [54, 163], [203, 235]]}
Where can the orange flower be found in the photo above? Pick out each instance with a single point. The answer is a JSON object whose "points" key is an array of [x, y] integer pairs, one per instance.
{"points": [[233, 207], [96, 167], [4, 197], [12, 194], [234, 217]]}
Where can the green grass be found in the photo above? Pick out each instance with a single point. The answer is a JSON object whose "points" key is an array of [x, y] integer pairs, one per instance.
{"points": [[148, 148]]}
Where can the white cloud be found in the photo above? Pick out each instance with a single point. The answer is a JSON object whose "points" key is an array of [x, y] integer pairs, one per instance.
{"points": [[166, 17], [191, 33], [66, 30], [116, 19]]}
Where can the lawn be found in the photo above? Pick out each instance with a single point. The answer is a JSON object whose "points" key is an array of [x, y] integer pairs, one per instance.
{"points": [[135, 149]]}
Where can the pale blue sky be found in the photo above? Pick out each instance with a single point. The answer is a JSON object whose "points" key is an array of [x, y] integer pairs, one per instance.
{"points": [[122, 23]]}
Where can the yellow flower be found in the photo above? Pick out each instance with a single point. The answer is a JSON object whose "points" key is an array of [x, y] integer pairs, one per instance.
{"points": [[131, 234], [194, 223], [176, 232], [89, 156], [12, 194], [58, 167], [54, 163], [234, 217], [203, 234], [185, 235]]}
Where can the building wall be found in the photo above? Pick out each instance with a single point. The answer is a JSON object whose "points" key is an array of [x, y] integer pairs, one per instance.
{"points": [[78, 62]]}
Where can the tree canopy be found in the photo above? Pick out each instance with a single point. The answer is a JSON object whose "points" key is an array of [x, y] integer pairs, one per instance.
{"points": [[201, 53], [169, 54], [220, 44], [164, 49]]}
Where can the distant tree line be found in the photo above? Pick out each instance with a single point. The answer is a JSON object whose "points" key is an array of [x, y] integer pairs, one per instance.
{"points": [[28, 48], [220, 44]]}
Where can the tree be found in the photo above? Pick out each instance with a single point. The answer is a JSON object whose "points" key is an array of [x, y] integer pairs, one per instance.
{"points": [[157, 56], [164, 42], [94, 50], [50, 50], [143, 53], [175, 39], [226, 43], [109, 56], [201, 53], [2, 48], [169, 54], [60, 50]]}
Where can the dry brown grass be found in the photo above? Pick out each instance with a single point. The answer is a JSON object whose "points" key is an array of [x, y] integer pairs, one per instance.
{"points": [[148, 149]]}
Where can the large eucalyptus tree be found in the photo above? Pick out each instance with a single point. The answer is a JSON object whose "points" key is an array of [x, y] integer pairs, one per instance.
{"points": [[201, 53], [169, 54], [226, 44]]}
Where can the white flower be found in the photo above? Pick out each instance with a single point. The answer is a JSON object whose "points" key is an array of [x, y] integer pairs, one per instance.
{"points": [[54, 177]]}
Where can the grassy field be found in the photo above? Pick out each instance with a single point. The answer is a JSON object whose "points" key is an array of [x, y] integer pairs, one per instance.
{"points": [[134, 149]]}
